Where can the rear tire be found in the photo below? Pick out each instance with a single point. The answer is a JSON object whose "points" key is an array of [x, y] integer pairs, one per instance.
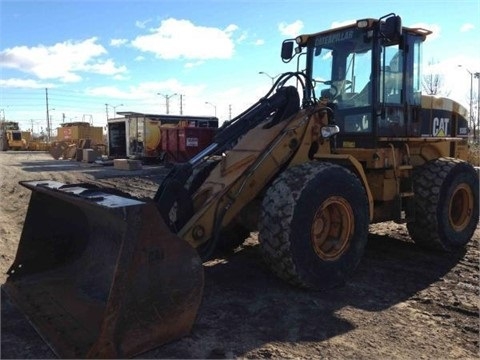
{"points": [[446, 204], [314, 225]]}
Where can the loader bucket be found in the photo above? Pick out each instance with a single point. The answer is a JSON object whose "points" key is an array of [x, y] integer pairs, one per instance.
{"points": [[100, 275]]}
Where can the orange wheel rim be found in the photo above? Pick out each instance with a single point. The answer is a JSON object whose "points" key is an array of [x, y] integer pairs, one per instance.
{"points": [[461, 207], [332, 228]]}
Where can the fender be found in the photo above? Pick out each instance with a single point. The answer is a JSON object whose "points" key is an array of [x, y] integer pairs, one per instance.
{"points": [[354, 165]]}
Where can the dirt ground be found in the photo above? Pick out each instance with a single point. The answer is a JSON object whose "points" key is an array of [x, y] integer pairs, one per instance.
{"points": [[402, 303]]}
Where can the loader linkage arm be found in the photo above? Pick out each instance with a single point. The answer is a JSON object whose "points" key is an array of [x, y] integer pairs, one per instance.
{"points": [[279, 106]]}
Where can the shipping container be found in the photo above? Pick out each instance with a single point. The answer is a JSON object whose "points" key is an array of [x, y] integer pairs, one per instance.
{"points": [[79, 130], [140, 136], [117, 139], [181, 144]]}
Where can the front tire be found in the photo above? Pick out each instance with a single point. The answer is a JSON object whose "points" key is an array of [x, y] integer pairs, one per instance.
{"points": [[446, 204], [314, 225]]}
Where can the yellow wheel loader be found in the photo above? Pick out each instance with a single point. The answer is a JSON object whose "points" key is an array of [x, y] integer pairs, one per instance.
{"points": [[344, 141]]}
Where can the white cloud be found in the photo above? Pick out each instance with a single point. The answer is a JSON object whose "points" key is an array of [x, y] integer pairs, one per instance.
{"points": [[243, 36], [259, 42], [24, 84], [108, 92], [143, 97], [61, 61], [107, 67], [121, 77], [175, 39], [467, 27], [118, 42], [146, 91], [231, 28], [190, 65], [291, 30], [142, 24]]}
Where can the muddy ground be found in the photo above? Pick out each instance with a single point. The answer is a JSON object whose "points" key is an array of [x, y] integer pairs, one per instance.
{"points": [[402, 302]]}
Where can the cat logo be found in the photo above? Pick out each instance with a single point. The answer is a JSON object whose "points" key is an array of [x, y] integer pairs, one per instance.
{"points": [[440, 126]]}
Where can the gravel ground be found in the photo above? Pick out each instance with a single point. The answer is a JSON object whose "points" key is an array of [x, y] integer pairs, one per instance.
{"points": [[402, 302]]}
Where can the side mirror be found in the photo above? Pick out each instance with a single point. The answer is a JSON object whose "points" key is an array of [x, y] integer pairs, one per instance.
{"points": [[287, 50], [392, 28]]}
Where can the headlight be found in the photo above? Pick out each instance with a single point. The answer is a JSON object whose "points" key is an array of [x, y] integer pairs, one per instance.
{"points": [[361, 24], [302, 40], [329, 130]]}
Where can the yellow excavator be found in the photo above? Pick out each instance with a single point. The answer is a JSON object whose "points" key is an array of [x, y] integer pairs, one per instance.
{"points": [[345, 140]]}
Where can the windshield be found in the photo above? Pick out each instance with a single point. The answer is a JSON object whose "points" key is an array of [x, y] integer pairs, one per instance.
{"points": [[342, 67]]}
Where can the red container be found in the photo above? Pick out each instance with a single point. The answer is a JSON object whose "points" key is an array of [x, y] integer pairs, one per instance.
{"points": [[181, 144]]}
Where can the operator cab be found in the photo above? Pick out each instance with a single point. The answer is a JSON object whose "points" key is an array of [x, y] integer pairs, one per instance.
{"points": [[369, 74]]}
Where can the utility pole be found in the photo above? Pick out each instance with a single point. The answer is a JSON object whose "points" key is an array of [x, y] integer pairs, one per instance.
{"points": [[230, 112], [48, 115], [167, 101], [106, 110], [181, 104]]}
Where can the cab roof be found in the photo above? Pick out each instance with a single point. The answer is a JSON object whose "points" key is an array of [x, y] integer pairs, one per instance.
{"points": [[370, 24]]}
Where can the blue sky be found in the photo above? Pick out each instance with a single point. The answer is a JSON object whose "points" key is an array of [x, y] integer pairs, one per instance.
{"points": [[125, 53]]}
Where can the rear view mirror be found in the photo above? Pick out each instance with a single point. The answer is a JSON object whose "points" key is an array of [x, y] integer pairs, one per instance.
{"points": [[392, 28], [287, 50]]}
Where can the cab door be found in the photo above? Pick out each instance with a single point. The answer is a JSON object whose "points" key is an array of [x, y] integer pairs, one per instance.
{"points": [[392, 122], [400, 88]]}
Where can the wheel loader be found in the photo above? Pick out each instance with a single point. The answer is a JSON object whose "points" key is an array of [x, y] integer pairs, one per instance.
{"points": [[12, 138], [343, 141]]}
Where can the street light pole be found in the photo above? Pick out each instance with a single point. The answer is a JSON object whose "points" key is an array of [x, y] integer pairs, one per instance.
{"points": [[472, 120], [167, 101], [476, 127], [477, 76], [115, 110], [214, 107], [271, 77]]}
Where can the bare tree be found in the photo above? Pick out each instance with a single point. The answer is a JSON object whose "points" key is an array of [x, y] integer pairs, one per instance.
{"points": [[432, 83]]}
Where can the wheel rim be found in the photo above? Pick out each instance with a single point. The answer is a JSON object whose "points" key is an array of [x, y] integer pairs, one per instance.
{"points": [[461, 207], [332, 228]]}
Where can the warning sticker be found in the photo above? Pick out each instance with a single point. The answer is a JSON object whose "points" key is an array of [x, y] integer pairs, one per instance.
{"points": [[192, 142]]}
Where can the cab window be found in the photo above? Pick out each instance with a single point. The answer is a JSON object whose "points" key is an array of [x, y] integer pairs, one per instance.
{"points": [[391, 75]]}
